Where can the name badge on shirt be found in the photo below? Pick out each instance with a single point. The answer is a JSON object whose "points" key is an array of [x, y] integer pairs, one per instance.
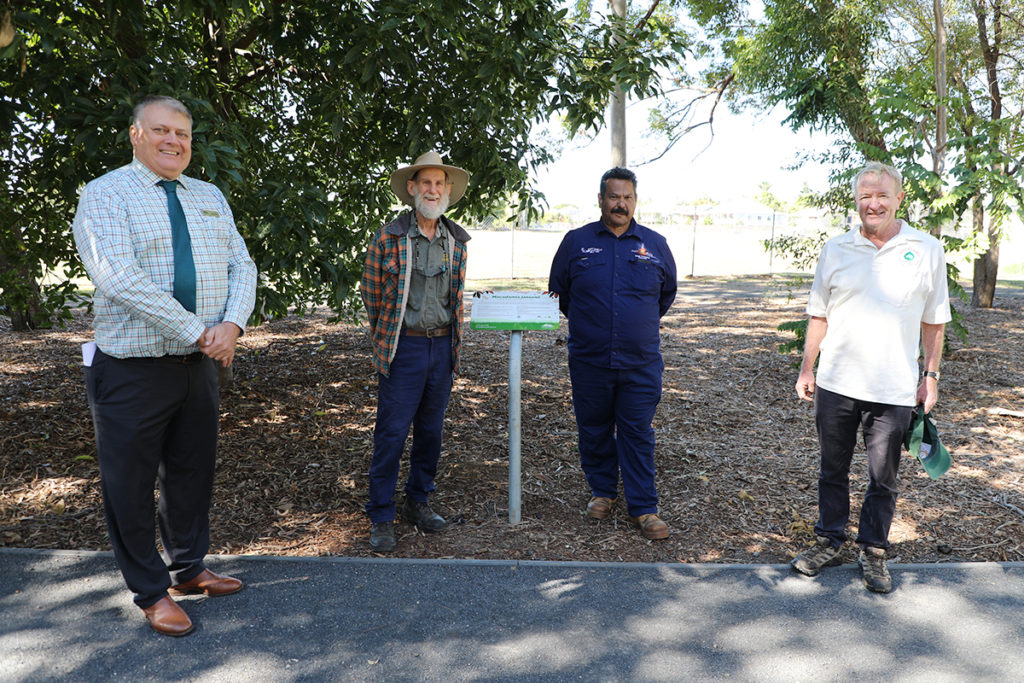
{"points": [[211, 212]]}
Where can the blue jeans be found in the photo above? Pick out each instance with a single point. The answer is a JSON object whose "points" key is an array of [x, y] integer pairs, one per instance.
{"points": [[837, 418], [614, 410], [414, 394]]}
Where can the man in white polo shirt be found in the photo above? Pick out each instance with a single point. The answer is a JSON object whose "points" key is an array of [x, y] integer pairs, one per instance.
{"points": [[879, 293]]}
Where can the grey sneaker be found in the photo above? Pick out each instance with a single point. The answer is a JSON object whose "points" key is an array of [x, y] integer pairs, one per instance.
{"points": [[382, 537], [819, 555], [876, 574]]}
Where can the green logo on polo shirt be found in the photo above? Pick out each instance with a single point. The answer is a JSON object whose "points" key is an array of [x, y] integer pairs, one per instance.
{"points": [[909, 256]]}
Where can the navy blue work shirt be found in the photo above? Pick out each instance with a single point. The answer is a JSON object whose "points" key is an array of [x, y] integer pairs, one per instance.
{"points": [[614, 291]]}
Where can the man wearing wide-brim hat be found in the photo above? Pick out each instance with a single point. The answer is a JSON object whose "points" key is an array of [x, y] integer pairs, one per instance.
{"points": [[412, 288]]}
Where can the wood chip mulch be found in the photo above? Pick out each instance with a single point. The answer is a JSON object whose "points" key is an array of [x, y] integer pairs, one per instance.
{"points": [[736, 454]]}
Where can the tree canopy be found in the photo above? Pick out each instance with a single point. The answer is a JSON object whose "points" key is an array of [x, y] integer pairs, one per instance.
{"points": [[302, 110], [864, 71]]}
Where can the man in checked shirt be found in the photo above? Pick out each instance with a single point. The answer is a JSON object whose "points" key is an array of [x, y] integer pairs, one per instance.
{"points": [[412, 288], [174, 289]]}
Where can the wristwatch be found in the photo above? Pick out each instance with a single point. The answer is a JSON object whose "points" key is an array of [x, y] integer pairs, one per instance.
{"points": [[929, 373]]}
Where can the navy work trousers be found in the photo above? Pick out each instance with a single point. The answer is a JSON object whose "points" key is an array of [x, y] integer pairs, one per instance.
{"points": [[837, 418], [155, 421], [614, 410], [415, 393]]}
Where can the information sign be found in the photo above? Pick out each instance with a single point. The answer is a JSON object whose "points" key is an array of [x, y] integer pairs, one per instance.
{"points": [[514, 310]]}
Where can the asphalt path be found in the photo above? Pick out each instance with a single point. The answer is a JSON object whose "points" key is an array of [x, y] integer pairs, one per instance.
{"points": [[65, 615]]}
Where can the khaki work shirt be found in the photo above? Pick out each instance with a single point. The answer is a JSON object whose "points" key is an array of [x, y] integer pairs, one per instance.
{"points": [[428, 306]]}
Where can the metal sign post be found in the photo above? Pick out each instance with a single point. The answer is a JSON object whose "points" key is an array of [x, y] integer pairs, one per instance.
{"points": [[514, 311], [515, 428]]}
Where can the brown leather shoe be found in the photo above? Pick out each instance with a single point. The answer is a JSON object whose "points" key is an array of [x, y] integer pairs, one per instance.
{"points": [[651, 526], [166, 617], [207, 582], [599, 507]]}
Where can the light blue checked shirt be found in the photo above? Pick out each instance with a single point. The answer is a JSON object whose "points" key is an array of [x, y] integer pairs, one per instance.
{"points": [[123, 234]]}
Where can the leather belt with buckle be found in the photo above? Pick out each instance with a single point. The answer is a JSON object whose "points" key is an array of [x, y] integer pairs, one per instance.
{"points": [[436, 332]]}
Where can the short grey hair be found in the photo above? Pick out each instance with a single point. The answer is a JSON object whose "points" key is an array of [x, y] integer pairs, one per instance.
{"points": [[877, 168], [164, 100]]}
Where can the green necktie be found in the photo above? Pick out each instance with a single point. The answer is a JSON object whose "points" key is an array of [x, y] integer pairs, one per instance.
{"points": [[184, 266]]}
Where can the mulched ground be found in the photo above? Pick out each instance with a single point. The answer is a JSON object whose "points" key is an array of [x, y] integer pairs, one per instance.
{"points": [[737, 456]]}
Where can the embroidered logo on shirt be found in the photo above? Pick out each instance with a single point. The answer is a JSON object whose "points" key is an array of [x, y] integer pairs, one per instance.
{"points": [[643, 255], [591, 250], [909, 256]]}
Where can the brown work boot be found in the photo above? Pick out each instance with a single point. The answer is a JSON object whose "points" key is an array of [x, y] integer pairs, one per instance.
{"points": [[599, 507], [651, 526]]}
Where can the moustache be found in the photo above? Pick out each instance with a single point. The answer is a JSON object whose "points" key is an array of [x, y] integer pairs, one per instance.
{"points": [[622, 211]]}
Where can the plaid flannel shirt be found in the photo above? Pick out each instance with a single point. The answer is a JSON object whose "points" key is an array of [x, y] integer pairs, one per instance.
{"points": [[123, 234], [385, 286]]}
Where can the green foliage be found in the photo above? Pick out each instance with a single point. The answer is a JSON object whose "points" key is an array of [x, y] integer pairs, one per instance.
{"points": [[814, 57], [797, 327], [769, 199], [302, 110], [801, 250], [634, 56], [955, 247]]}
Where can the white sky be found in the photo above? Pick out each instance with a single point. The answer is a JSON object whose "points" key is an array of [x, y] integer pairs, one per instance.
{"points": [[745, 151]]}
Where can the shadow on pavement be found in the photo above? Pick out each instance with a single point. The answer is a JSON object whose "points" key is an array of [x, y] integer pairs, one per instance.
{"points": [[66, 615]]}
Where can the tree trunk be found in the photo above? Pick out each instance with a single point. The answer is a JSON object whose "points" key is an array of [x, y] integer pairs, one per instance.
{"points": [[617, 107], [24, 303], [939, 151], [986, 265]]}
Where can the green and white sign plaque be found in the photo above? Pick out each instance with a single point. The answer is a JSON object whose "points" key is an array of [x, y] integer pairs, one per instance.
{"points": [[514, 310]]}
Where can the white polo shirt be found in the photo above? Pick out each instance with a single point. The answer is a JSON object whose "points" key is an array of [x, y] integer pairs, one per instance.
{"points": [[875, 301]]}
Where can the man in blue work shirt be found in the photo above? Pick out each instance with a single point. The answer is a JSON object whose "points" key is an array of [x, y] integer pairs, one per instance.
{"points": [[615, 279]]}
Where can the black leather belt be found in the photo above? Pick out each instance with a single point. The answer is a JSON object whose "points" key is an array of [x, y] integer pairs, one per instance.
{"points": [[187, 359], [436, 332]]}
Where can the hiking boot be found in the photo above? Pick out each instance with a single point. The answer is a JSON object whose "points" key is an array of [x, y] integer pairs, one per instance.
{"points": [[382, 537], [819, 555], [600, 508], [651, 526], [876, 574], [420, 514]]}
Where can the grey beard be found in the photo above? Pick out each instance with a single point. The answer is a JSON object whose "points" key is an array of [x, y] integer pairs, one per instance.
{"points": [[430, 214]]}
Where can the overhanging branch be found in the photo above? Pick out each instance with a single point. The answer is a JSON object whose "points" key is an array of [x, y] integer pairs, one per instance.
{"points": [[718, 91]]}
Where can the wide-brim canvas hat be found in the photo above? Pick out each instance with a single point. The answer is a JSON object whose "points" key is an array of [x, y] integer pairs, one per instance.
{"points": [[922, 440], [458, 177]]}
